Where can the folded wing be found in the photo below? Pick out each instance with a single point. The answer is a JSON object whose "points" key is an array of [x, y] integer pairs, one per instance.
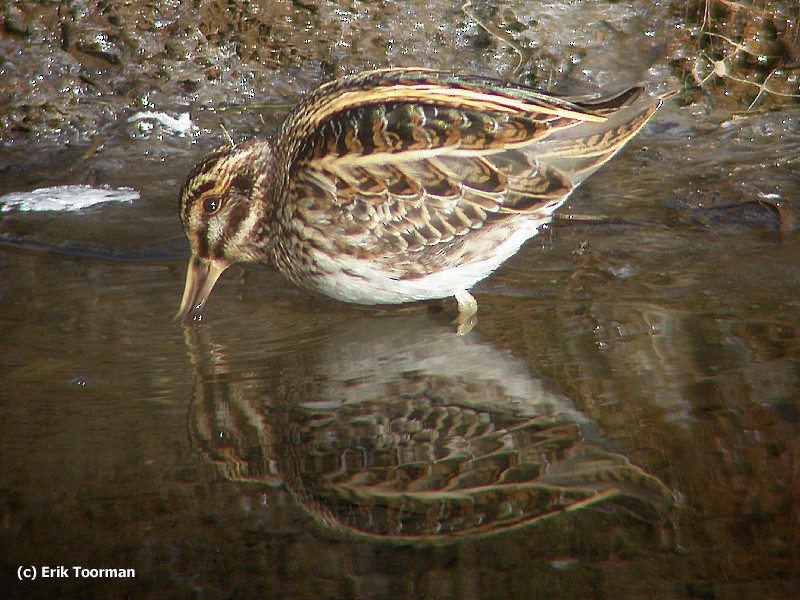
{"points": [[404, 163]]}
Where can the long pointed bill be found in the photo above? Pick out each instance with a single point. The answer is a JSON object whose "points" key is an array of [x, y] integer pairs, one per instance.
{"points": [[201, 275]]}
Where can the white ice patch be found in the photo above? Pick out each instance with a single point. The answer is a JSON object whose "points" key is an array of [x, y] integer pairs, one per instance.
{"points": [[65, 198], [181, 125]]}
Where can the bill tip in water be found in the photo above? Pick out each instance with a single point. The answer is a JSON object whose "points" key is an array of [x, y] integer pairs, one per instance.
{"points": [[201, 275], [186, 315]]}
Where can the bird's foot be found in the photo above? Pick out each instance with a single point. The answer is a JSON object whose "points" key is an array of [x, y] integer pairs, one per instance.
{"points": [[467, 309]]}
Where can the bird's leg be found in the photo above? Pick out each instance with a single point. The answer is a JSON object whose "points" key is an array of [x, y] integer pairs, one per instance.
{"points": [[467, 307]]}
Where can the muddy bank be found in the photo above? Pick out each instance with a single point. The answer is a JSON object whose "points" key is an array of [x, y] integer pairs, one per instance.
{"points": [[74, 70]]}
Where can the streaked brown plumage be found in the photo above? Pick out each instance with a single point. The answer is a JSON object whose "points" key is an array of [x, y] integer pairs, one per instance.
{"points": [[398, 185]]}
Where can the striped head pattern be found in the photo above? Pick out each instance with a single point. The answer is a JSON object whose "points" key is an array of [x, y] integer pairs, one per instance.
{"points": [[217, 204]]}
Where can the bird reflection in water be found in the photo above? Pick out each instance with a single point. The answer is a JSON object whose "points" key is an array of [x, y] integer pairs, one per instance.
{"points": [[397, 430]]}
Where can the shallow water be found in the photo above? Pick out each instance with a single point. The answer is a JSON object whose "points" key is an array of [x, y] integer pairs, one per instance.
{"points": [[622, 422], [651, 332]]}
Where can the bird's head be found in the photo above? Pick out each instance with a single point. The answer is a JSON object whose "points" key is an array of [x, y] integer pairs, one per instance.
{"points": [[221, 209]]}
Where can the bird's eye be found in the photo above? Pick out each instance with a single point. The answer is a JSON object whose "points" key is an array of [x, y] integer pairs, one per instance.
{"points": [[211, 205]]}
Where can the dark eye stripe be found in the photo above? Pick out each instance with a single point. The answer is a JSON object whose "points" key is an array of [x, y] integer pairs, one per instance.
{"points": [[190, 194], [202, 188], [202, 242], [234, 220], [243, 183], [202, 171]]}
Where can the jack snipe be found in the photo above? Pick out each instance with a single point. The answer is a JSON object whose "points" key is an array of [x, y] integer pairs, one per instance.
{"points": [[398, 185]]}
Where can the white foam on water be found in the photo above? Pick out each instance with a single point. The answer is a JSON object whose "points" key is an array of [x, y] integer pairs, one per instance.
{"points": [[181, 125], [65, 198]]}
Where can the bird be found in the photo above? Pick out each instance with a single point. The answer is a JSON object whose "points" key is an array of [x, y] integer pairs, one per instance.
{"points": [[398, 185]]}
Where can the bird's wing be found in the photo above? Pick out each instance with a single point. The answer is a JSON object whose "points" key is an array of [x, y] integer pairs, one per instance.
{"points": [[411, 160]]}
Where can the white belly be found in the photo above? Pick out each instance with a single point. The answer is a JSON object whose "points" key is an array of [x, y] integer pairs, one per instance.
{"points": [[362, 282]]}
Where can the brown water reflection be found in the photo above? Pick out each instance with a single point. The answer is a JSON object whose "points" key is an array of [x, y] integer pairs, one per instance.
{"points": [[396, 430]]}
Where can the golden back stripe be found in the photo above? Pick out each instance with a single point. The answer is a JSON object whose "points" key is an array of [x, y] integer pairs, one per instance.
{"points": [[314, 114]]}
